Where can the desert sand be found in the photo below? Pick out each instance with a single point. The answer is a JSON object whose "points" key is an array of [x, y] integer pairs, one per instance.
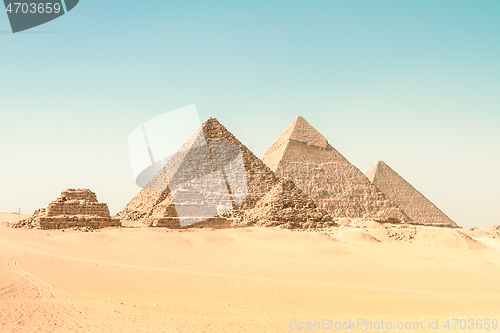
{"points": [[245, 279], [6, 217]]}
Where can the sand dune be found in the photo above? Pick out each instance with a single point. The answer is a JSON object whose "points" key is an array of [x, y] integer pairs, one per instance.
{"points": [[240, 280], [357, 235], [448, 239]]}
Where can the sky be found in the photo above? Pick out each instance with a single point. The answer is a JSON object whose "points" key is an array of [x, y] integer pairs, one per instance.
{"points": [[413, 83]]}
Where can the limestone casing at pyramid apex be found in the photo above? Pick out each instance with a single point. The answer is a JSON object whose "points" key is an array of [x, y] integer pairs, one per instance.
{"points": [[299, 132], [372, 171], [303, 131]]}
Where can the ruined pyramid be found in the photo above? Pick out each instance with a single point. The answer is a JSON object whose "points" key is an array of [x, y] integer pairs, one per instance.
{"points": [[304, 155], [398, 190], [75, 208], [229, 181]]}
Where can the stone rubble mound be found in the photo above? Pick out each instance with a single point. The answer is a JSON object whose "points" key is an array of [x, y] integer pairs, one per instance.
{"points": [[288, 207], [33, 222]]}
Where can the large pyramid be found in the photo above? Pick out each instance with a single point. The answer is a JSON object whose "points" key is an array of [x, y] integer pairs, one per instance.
{"points": [[210, 150], [304, 155], [398, 190]]}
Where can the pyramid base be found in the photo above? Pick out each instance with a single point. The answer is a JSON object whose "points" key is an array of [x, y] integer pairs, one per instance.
{"points": [[173, 223], [80, 221]]}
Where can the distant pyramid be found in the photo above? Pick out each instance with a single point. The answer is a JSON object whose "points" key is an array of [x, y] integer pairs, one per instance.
{"points": [[304, 155], [214, 149], [398, 190]]}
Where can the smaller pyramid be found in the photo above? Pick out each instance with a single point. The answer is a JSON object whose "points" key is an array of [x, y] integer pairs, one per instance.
{"points": [[398, 190], [75, 208]]}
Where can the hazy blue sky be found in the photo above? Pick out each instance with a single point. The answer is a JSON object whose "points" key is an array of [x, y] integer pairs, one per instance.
{"points": [[413, 83]]}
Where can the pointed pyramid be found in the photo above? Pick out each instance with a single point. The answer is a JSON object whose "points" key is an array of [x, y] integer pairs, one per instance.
{"points": [[155, 206], [299, 131], [398, 190], [304, 155]]}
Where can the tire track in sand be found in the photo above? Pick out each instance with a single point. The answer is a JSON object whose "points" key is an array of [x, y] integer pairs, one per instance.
{"points": [[37, 300], [45, 291]]}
